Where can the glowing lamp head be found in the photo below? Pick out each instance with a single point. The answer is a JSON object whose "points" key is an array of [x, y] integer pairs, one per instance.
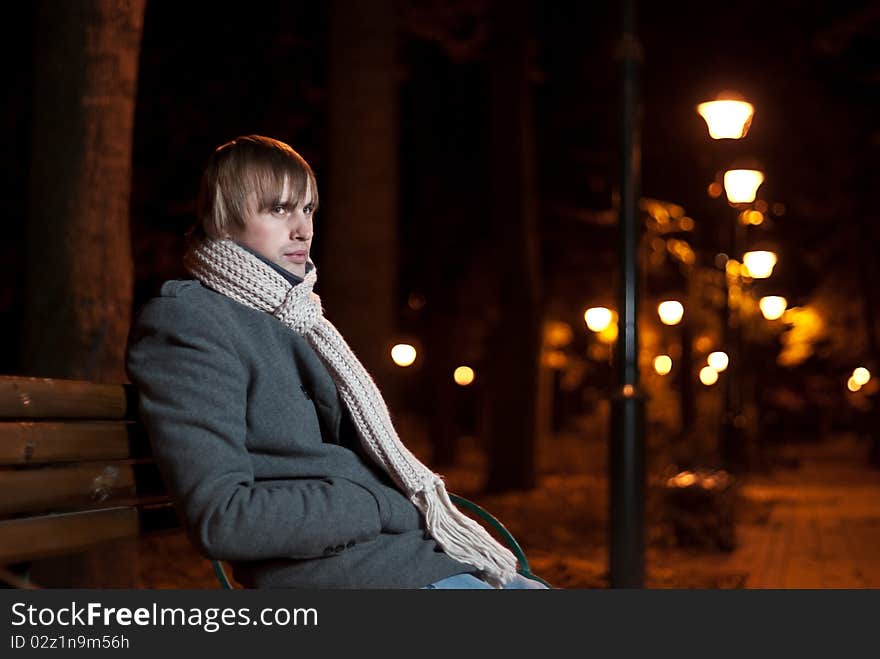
{"points": [[741, 185], [759, 265], [670, 312], [718, 361], [773, 306], [708, 376], [861, 376], [463, 376], [727, 118], [403, 354], [598, 318], [663, 364]]}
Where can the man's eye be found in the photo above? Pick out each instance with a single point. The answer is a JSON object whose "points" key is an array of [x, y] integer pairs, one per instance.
{"points": [[308, 209], [279, 210]]}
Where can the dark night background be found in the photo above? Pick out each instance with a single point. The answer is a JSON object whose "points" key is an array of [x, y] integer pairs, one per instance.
{"points": [[210, 72], [206, 76]]}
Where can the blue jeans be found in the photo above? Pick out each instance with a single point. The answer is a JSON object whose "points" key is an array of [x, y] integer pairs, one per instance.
{"points": [[469, 581]]}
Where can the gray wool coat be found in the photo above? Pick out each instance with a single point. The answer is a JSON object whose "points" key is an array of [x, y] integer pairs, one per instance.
{"points": [[260, 455]]}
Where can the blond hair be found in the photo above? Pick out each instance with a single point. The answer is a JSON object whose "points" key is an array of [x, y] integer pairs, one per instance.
{"points": [[249, 173]]}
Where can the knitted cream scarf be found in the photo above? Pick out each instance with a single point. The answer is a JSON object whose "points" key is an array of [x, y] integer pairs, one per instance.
{"points": [[231, 270]]}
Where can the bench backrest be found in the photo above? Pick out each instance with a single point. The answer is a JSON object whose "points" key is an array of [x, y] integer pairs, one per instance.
{"points": [[75, 469]]}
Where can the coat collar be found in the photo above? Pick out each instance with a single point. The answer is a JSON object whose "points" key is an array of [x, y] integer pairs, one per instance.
{"points": [[289, 276]]}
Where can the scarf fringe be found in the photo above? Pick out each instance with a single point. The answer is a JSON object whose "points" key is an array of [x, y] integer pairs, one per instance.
{"points": [[462, 538]]}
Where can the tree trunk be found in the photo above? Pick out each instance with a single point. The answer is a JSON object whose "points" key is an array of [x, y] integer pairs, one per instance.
{"points": [[79, 266], [516, 339], [359, 230], [79, 272]]}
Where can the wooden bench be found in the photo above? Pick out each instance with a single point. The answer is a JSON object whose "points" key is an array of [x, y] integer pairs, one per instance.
{"points": [[76, 472]]}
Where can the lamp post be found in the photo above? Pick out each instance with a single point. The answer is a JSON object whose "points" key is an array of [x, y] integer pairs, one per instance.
{"points": [[626, 455], [729, 117], [671, 313]]}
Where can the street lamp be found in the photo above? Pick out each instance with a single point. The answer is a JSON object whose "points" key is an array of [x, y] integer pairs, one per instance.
{"points": [[663, 364], [403, 354], [741, 185], [861, 376], [708, 376], [598, 318], [670, 312], [463, 376], [759, 264], [727, 117], [772, 306], [718, 360]]}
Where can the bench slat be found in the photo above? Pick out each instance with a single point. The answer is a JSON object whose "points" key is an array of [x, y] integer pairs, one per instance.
{"points": [[76, 487], [44, 398], [51, 535], [76, 470], [32, 442]]}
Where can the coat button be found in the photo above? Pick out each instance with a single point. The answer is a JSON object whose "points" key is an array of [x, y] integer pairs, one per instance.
{"points": [[349, 544], [338, 548], [328, 550]]}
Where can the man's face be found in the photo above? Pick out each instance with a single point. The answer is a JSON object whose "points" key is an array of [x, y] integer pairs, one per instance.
{"points": [[282, 234]]}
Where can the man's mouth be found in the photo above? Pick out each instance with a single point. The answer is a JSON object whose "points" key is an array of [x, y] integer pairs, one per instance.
{"points": [[299, 257]]}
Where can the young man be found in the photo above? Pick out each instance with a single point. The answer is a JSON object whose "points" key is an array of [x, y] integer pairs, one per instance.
{"points": [[275, 443]]}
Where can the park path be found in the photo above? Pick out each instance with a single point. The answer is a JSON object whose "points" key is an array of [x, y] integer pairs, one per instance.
{"points": [[824, 527]]}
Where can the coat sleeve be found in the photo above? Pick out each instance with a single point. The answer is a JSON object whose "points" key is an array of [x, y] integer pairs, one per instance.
{"points": [[193, 396]]}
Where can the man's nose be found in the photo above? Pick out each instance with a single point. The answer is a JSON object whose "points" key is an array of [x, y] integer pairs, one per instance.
{"points": [[301, 230]]}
